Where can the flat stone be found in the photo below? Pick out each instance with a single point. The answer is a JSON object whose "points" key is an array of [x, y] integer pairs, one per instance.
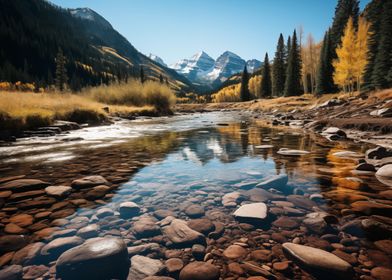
{"points": [[28, 255], [58, 191], [146, 227], [142, 267], [385, 171], [348, 154], [89, 182], [234, 252], [14, 229], [10, 243], [260, 195], [199, 271], [181, 235], [232, 199], [372, 208], [23, 185], [252, 211], [381, 273], [286, 222], [278, 182], [34, 272], [204, 226], [174, 265], [319, 263], [163, 213], [194, 211], [264, 146], [143, 249], [292, 152], [97, 258], [129, 209], [89, 231], [104, 212], [22, 220], [55, 248], [12, 272], [97, 192]]}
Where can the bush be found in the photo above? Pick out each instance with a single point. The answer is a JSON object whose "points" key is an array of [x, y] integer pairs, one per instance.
{"points": [[84, 116]]}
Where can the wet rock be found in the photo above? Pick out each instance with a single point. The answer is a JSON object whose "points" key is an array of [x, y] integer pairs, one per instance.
{"points": [[278, 182], [385, 171], [301, 201], [58, 191], [104, 212], [158, 278], [23, 185], [198, 251], [281, 266], [234, 252], [372, 208], [180, 234], [174, 265], [378, 153], [14, 229], [97, 192], [22, 220], [253, 269], [291, 152], [142, 267], [34, 272], [55, 248], [89, 182], [98, 258], [204, 226], [194, 211], [381, 273], [12, 272], [334, 131], [199, 271], [376, 228], [317, 262], [235, 268], [10, 243], [354, 228], [219, 229], [28, 255], [89, 231], [257, 211], [232, 199], [384, 245], [365, 167], [143, 249], [146, 227], [344, 256], [161, 214], [286, 222], [347, 154], [318, 221], [129, 209]]}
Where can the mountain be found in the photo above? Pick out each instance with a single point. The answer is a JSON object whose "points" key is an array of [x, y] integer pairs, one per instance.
{"points": [[203, 70], [157, 59], [33, 31]]}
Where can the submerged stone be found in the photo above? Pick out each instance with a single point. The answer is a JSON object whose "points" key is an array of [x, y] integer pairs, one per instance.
{"points": [[257, 211], [200, 271], [278, 182]]}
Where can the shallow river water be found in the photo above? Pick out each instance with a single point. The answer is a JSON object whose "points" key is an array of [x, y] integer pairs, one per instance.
{"points": [[183, 166]]}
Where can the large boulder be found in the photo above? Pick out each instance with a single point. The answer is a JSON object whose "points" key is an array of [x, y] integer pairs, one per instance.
{"points": [[97, 258], [200, 271], [181, 235], [319, 263]]}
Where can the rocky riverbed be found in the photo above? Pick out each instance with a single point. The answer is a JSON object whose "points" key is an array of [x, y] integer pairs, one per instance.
{"points": [[229, 199]]}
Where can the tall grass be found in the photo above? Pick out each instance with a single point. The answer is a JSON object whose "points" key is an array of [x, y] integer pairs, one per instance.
{"points": [[134, 93]]}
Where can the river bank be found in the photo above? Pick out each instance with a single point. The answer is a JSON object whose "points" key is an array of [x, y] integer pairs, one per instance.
{"points": [[170, 203]]}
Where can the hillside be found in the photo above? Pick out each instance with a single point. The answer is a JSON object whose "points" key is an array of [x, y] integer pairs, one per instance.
{"points": [[33, 31]]}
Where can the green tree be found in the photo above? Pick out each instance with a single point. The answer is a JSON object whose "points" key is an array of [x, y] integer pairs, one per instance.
{"points": [[161, 78], [279, 68], [324, 80], [294, 66], [381, 76], [61, 72], [244, 91], [266, 87]]}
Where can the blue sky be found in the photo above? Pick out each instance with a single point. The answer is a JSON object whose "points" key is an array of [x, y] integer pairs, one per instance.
{"points": [[176, 29]]}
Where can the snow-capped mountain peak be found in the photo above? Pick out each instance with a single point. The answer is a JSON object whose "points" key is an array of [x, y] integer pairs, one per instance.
{"points": [[89, 14], [157, 59]]}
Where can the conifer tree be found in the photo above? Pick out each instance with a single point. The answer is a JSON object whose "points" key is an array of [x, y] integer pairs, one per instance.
{"points": [[293, 74], [61, 72], [266, 84], [142, 77], [244, 91], [161, 78], [381, 77], [279, 69], [324, 82], [288, 48]]}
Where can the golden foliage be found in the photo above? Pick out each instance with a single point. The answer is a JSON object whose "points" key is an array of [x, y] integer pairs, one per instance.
{"points": [[255, 86], [232, 93], [310, 54], [352, 56]]}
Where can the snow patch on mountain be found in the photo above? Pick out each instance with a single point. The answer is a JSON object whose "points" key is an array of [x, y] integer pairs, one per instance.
{"points": [[157, 59]]}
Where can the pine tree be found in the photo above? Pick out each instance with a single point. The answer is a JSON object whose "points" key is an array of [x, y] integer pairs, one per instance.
{"points": [[288, 48], [372, 12], [161, 78], [279, 68], [142, 77], [244, 91], [293, 74], [61, 72], [324, 80], [266, 87], [381, 77], [343, 11]]}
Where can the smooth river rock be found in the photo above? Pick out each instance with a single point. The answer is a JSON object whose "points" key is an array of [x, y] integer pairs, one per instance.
{"points": [[58, 191], [200, 271], [142, 267], [97, 258], [55, 248], [291, 152], [319, 263], [181, 235], [276, 182], [23, 185], [257, 211], [129, 209], [89, 182]]}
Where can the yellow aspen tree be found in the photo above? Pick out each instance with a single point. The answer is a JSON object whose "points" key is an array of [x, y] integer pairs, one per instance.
{"points": [[361, 45], [344, 74]]}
